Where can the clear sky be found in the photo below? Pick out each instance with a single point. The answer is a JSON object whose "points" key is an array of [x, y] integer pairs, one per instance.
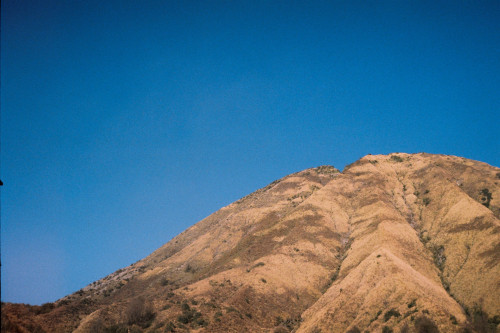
{"points": [[125, 122]]}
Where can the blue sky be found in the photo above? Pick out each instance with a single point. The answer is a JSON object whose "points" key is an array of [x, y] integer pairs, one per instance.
{"points": [[125, 122]]}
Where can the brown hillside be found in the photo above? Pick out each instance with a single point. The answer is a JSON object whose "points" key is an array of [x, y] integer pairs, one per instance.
{"points": [[397, 243]]}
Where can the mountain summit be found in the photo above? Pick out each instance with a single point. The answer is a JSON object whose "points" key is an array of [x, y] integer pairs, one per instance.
{"points": [[394, 243]]}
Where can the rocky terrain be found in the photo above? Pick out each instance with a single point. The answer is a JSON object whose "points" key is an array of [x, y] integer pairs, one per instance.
{"points": [[393, 243]]}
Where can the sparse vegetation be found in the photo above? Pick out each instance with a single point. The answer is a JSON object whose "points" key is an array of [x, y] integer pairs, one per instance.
{"points": [[332, 279], [424, 237], [354, 329], [139, 313], [259, 264], [313, 188], [438, 255], [445, 283], [409, 313], [396, 158], [424, 324], [376, 316], [486, 197], [387, 329], [481, 321], [288, 324], [326, 169], [412, 303], [44, 308], [170, 327], [426, 201], [230, 309], [190, 316], [391, 313]]}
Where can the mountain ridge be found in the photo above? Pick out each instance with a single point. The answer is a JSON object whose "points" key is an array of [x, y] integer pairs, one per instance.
{"points": [[393, 242]]}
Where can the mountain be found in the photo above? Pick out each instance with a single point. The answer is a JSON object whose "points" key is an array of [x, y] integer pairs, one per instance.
{"points": [[396, 243]]}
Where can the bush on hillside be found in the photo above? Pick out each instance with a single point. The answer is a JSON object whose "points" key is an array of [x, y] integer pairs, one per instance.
{"points": [[139, 313], [424, 324]]}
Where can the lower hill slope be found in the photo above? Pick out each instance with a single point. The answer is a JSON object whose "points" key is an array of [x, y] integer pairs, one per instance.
{"points": [[396, 243]]}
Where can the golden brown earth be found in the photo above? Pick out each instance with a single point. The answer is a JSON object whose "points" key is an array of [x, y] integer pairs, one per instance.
{"points": [[397, 243]]}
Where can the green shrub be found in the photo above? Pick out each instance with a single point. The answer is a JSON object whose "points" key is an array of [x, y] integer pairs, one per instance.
{"points": [[230, 309], [426, 201], [396, 158], [438, 255], [217, 316], [44, 308], [486, 197], [481, 322], [376, 316], [170, 327], [185, 307], [190, 315], [387, 329], [201, 322], [391, 313], [259, 264], [424, 324]]}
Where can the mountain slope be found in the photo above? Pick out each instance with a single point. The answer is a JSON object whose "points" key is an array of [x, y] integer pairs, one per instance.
{"points": [[400, 241]]}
